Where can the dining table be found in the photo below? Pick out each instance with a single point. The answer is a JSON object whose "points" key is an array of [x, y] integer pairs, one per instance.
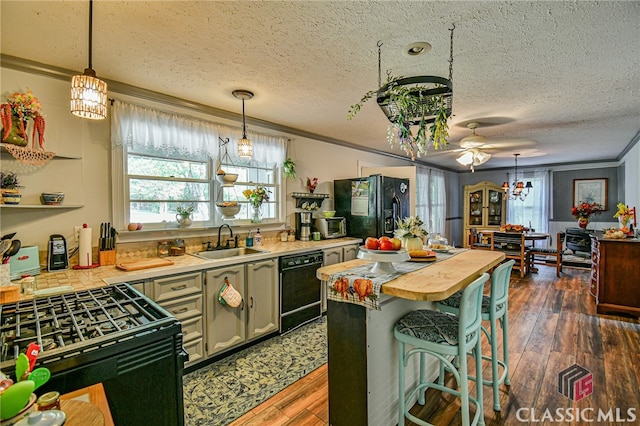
{"points": [[362, 352]]}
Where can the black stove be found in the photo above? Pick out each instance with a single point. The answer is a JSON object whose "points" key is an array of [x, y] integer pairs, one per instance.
{"points": [[112, 335]]}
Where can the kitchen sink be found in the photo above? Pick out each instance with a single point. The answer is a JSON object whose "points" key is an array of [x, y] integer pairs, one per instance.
{"points": [[226, 253]]}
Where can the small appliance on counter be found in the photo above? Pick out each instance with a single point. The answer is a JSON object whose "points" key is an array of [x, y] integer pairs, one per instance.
{"points": [[25, 262], [331, 227], [58, 257], [303, 226]]}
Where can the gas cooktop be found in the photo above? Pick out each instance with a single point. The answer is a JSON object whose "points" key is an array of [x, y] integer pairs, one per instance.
{"points": [[76, 322]]}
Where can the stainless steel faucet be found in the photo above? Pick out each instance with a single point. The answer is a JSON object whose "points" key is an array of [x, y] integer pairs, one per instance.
{"points": [[219, 230]]}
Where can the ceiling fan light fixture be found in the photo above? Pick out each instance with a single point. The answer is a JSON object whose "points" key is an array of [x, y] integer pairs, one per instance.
{"points": [[474, 140], [245, 146], [473, 157], [89, 93]]}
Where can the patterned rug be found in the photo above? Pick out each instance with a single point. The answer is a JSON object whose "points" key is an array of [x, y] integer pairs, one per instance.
{"points": [[223, 391]]}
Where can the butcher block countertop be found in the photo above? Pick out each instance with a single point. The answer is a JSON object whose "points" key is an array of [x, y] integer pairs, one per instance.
{"points": [[435, 282], [85, 279]]}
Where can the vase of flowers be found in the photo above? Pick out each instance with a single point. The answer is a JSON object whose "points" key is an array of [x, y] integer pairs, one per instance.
{"points": [[583, 212], [256, 197], [411, 233], [312, 183], [625, 215], [14, 114], [184, 215]]}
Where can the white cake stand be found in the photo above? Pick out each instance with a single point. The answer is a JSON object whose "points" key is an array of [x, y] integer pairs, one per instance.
{"points": [[383, 259]]}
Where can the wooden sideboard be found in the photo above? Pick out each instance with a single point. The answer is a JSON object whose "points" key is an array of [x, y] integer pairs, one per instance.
{"points": [[615, 274]]}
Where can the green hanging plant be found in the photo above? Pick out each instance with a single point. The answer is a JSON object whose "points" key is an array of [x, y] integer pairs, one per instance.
{"points": [[289, 168], [415, 107]]}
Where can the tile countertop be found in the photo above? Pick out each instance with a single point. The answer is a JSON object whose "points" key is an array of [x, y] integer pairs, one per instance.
{"points": [[104, 275]]}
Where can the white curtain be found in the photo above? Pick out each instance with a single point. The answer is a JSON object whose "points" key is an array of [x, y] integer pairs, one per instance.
{"points": [[533, 211], [431, 199], [138, 126]]}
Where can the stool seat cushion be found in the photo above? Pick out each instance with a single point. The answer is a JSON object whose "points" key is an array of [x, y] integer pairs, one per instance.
{"points": [[431, 326], [454, 302]]}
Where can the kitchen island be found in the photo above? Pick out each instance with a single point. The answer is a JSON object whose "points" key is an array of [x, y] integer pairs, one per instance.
{"points": [[363, 360]]}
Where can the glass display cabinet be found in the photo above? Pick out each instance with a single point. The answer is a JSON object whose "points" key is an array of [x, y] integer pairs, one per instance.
{"points": [[484, 208]]}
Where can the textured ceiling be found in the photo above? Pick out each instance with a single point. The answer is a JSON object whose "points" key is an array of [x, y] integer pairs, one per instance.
{"points": [[557, 81]]}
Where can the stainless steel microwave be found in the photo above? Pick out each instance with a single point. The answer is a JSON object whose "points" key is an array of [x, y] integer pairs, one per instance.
{"points": [[331, 227]]}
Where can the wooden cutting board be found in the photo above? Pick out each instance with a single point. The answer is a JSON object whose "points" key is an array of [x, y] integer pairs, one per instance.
{"points": [[136, 265], [423, 259]]}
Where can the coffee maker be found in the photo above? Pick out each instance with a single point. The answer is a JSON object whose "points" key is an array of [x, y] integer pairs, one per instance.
{"points": [[303, 226]]}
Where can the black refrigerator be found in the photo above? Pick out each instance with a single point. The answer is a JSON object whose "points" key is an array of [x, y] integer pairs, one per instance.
{"points": [[372, 205]]}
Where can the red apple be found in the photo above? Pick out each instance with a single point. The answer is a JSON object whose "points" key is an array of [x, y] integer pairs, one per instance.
{"points": [[384, 238], [386, 245], [397, 243], [138, 226], [372, 243]]}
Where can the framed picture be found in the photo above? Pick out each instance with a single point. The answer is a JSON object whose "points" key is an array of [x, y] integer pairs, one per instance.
{"points": [[590, 191]]}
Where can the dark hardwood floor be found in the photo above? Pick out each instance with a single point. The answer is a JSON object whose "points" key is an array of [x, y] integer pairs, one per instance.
{"points": [[553, 325]]}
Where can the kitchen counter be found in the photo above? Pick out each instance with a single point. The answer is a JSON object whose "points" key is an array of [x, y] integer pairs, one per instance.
{"points": [[83, 279], [363, 354]]}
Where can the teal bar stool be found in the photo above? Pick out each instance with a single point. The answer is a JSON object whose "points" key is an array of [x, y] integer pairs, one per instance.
{"points": [[444, 336], [494, 309]]}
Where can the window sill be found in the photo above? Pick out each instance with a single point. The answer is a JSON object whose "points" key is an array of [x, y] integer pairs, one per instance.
{"points": [[193, 231]]}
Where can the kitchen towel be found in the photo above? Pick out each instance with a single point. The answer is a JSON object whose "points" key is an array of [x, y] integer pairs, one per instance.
{"points": [[84, 247]]}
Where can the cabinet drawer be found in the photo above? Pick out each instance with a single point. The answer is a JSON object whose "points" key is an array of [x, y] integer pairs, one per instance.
{"points": [[177, 286], [195, 349], [191, 329], [184, 308]]}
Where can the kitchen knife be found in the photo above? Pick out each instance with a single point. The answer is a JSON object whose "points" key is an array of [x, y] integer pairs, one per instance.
{"points": [[101, 243]]}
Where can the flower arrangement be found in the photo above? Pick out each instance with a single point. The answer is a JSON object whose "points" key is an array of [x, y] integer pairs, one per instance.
{"points": [[185, 211], [410, 227], [257, 196], [312, 183], [624, 214], [22, 106], [585, 210]]}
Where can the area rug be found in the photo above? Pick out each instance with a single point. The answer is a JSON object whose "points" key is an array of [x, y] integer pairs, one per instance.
{"points": [[225, 390]]}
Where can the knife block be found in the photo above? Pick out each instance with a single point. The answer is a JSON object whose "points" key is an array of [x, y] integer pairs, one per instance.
{"points": [[107, 257]]}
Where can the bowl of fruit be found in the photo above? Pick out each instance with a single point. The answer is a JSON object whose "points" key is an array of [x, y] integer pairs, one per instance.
{"points": [[383, 251]]}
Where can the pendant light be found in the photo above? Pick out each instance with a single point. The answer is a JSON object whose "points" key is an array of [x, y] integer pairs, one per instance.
{"points": [[518, 191], [89, 93], [245, 147]]}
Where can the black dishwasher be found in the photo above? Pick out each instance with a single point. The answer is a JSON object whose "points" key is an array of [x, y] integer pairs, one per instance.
{"points": [[300, 298]]}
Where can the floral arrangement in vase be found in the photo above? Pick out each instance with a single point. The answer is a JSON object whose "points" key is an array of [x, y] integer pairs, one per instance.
{"points": [[257, 196], [583, 212], [14, 114], [411, 232], [312, 183], [624, 214]]}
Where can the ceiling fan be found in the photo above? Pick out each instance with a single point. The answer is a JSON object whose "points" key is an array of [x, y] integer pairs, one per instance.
{"points": [[474, 148]]}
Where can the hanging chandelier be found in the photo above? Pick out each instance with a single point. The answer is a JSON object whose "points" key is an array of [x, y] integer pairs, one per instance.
{"points": [[89, 93], [519, 190], [245, 147]]}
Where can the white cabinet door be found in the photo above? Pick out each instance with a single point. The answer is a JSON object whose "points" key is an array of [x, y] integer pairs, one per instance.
{"points": [[262, 298], [349, 252], [332, 256], [226, 326]]}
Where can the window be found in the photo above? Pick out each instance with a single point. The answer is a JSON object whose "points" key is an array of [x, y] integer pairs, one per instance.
{"points": [[431, 199], [162, 161], [251, 175], [533, 211]]}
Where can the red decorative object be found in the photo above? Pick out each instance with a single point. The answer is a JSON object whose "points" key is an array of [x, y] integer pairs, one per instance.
{"points": [[585, 210]]}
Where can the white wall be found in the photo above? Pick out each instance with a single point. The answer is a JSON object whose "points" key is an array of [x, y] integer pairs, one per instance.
{"points": [[86, 180], [632, 178]]}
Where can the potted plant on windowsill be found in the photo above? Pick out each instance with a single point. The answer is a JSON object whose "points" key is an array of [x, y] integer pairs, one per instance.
{"points": [[9, 188], [184, 215]]}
